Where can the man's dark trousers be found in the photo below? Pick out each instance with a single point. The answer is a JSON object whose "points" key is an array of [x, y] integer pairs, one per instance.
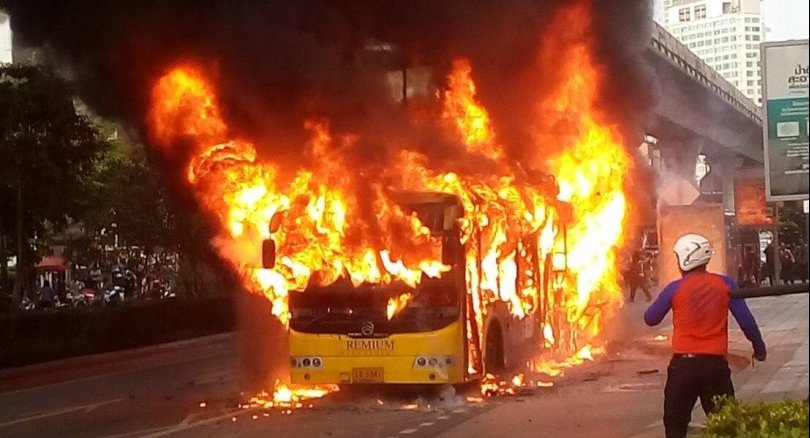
{"points": [[690, 377]]}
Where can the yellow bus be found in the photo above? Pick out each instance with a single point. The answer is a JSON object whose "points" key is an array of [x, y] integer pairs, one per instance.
{"points": [[342, 334]]}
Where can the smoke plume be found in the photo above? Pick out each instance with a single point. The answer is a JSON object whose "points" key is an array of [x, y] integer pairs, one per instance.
{"points": [[278, 63]]}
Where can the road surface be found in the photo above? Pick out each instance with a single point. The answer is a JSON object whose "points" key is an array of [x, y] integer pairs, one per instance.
{"points": [[159, 393]]}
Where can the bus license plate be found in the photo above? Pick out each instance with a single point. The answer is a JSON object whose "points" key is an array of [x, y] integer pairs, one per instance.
{"points": [[367, 375]]}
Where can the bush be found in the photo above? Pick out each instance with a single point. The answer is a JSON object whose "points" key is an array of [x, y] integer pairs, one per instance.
{"points": [[783, 419]]}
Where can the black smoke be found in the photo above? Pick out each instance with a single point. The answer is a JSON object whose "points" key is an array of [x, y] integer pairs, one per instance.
{"points": [[278, 63]]}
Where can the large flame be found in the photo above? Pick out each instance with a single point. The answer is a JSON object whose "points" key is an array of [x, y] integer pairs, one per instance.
{"points": [[544, 246]]}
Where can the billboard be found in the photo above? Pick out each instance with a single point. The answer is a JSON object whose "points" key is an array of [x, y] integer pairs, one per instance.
{"points": [[706, 219], [785, 123], [750, 206]]}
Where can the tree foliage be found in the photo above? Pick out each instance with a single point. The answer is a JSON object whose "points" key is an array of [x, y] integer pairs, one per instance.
{"points": [[45, 147], [124, 196], [47, 153]]}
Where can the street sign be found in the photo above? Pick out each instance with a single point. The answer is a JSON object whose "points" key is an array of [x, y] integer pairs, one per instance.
{"points": [[678, 191], [785, 124]]}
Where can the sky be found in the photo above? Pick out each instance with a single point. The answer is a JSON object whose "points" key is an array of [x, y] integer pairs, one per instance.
{"points": [[784, 19], [5, 39]]}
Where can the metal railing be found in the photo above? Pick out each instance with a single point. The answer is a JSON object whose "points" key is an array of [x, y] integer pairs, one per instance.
{"points": [[679, 54], [771, 291]]}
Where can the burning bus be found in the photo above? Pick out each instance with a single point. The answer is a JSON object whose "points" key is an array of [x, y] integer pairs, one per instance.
{"points": [[437, 331], [404, 268]]}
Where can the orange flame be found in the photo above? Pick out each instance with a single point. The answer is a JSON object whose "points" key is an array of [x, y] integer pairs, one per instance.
{"points": [[396, 304], [289, 396], [544, 247]]}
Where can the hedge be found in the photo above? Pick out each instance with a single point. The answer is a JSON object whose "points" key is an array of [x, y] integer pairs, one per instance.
{"points": [[782, 419], [41, 336]]}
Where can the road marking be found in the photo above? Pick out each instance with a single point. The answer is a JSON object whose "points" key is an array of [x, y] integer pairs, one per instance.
{"points": [[443, 417], [83, 408], [181, 427], [426, 424], [407, 431], [459, 411]]}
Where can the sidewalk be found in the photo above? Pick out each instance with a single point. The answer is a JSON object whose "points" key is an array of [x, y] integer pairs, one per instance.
{"points": [[784, 325]]}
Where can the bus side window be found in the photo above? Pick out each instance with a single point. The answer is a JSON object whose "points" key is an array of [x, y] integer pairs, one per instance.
{"points": [[452, 249]]}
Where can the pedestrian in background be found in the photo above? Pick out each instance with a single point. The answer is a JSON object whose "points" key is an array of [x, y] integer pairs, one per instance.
{"points": [[770, 263], [47, 296], [635, 276], [750, 268], [788, 260], [801, 261], [700, 302]]}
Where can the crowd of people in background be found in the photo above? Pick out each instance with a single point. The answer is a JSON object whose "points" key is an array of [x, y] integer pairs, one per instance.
{"points": [[793, 265], [126, 276], [756, 267]]}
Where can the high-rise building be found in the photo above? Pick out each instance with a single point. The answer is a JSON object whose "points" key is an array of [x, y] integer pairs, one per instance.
{"points": [[725, 34], [5, 38]]}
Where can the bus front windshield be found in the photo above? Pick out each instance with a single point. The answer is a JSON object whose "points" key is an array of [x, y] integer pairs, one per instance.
{"points": [[435, 302]]}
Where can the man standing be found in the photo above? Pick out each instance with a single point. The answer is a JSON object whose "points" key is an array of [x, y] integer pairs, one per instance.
{"points": [[635, 276], [770, 263], [47, 296], [801, 261], [700, 303]]}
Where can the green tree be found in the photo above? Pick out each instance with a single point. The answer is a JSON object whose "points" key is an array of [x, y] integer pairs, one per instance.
{"points": [[47, 154], [124, 192]]}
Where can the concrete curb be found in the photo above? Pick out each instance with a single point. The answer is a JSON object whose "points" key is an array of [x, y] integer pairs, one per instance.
{"points": [[80, 362]]}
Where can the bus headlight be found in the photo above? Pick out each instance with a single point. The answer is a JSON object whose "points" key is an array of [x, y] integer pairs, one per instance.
{"points": [[432, 362], [306, 362]]}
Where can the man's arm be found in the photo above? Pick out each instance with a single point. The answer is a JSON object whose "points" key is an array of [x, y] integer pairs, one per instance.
{"points": [[662, 304], [742, 314], [745, 319]]}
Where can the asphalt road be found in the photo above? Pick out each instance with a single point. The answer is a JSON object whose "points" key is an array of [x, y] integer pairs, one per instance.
{"points": [[159, 393]]}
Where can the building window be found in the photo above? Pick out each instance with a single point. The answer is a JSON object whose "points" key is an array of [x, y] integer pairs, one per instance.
{"points": [[749, 64], [755, 37], [750, 83], [700, 12], [749, 73], [684, 14]]}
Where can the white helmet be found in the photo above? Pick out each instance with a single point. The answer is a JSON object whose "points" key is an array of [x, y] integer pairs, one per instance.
{"points": [[693, 250]]}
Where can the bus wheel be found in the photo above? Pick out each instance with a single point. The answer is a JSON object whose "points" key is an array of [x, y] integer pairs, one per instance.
{"points": [[493, 354]]}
